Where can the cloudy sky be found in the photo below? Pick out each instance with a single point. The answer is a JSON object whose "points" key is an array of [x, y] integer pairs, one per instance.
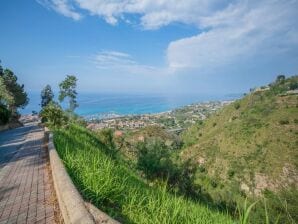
{"points": [[201, 46]]}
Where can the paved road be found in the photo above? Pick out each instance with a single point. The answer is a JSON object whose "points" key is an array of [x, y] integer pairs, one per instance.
{"points": [[26, 191]]}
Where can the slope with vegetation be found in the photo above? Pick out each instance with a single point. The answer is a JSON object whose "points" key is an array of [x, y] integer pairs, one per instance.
{"points": [[106, 181], [241, 153], [249, 149]]}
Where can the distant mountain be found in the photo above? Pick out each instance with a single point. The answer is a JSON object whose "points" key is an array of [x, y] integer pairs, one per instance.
{"points": [[250, 147]]}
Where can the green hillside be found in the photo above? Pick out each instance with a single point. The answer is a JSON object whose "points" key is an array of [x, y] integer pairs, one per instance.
{"points": [[250, 147], [107, 182]]}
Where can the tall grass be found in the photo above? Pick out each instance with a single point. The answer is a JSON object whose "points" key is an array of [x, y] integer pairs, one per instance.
{"points": [[114, 188]]}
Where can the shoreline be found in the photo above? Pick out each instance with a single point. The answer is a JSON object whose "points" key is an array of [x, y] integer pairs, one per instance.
{"points": [[113, 115]]}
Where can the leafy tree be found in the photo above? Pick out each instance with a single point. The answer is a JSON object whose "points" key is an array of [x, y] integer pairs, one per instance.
{"points": [[20, 98], [6, 97], [68, 90], [154, 159], [280, 78], [53, 115], [5, 114], [47, 96]]}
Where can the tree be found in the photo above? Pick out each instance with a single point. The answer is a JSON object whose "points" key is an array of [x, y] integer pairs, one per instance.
{"points": [[20, 98], [6, 97], [68, 90], [47, 96], [280, 78], [53, 115]]}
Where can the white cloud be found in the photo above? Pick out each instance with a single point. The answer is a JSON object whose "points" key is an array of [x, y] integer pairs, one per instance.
{"points": [[233, 30], [242, 30], [63, 7], [153, 13], [122, 63]]}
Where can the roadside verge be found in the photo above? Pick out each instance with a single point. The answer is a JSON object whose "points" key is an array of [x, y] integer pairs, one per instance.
{"points": [[73, 208]]}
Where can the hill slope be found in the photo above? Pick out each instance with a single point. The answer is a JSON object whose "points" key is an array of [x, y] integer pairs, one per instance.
{"points": [[249, 146], [107, 182]]}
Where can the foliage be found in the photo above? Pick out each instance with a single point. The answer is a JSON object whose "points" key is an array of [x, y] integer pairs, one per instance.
{"points": [[53, 115], [46, 95], [20, 98], [4, 114], [245, 212], [237, 105], [260, 137], [6, 97], [154, 159], [12, 96], [284, 121], [280, 79], [68, 90], [106, 136], [115, 189]]}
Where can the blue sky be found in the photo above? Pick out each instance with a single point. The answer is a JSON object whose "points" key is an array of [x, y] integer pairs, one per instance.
{"points": [[150, 46]]}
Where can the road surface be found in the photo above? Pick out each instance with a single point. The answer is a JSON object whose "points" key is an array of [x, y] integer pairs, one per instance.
{"points": [[26, 190]]}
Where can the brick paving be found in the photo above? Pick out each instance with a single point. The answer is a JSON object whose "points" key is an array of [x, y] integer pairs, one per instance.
{"points": [[26, 190]]}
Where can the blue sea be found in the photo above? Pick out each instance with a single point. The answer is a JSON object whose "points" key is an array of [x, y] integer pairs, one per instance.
{"points": [[101, 105]]}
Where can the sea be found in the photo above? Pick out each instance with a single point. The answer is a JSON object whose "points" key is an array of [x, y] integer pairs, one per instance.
{"points": [[107, 105]]}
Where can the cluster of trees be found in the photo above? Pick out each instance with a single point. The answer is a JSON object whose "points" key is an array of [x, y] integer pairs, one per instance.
{"points": [[52, 112], [12, 96], [155, 159]]}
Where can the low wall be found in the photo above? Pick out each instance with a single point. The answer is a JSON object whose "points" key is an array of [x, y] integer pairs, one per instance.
{"points": [[73, 208]]}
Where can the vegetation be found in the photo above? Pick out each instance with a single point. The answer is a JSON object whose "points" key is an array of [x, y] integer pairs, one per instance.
{"points": [[230, 159], [250, 152], [12, 96], [68, 90], [108, 183], [46, 95], [52, 114]]}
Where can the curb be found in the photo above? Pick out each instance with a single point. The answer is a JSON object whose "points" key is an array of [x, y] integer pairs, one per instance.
{"points": [[73, 208]]}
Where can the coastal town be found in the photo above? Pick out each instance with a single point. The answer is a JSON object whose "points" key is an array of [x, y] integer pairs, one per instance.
{"points": [[177, 119]]}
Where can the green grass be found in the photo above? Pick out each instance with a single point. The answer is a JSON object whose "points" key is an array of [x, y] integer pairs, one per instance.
{"points": [[255, 135], [113, 187]]}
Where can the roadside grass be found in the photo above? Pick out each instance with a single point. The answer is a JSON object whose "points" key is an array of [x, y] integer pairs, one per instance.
{"points": [[105, 181]]}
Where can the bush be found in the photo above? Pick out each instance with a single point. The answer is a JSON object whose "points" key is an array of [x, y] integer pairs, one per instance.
{"points": [[231, 173], [154, 159], [53, 115], [5, 114], [293, 85], [106, 136], [284, 121], [236, 105]]}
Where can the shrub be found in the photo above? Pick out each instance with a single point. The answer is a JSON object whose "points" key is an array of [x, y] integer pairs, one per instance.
{"points": [[236, 105], [5, 114], [284, 121], [106, 136], [231, 173], [53, 115], [293, 85], [154, 159]]}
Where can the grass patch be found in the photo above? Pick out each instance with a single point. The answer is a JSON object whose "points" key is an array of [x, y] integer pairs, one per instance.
{"points": [[109, 184]]}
